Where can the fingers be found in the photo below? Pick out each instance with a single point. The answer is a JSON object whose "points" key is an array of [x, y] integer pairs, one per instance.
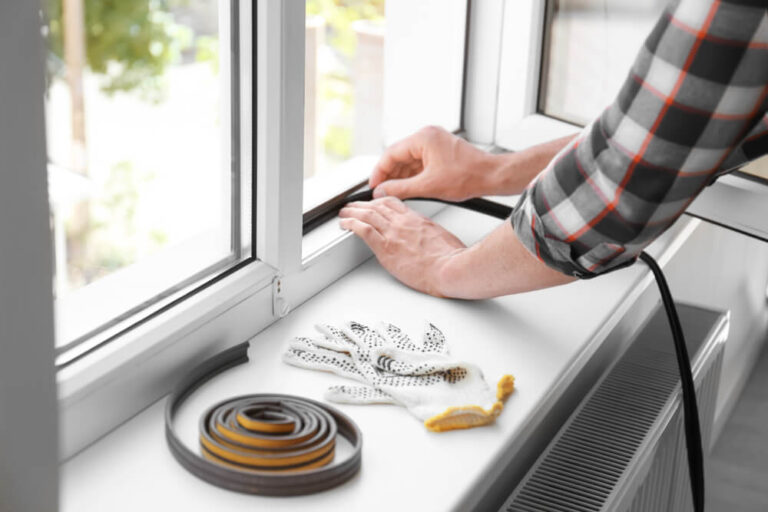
{"points": [[410, 362], [402, 188], [400, 160], [398, 338], [388, 206], [368, 233], [333, 339], [305, 354], [392, 204], [378, 218], [401, 168], [357, 395], [372, 220], [434, 340]]}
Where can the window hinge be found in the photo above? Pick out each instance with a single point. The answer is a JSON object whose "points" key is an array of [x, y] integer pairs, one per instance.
{"points": [[280, 306]]}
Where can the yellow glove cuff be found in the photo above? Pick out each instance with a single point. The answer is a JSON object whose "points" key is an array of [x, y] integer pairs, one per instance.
{"points": [[470, 416]]}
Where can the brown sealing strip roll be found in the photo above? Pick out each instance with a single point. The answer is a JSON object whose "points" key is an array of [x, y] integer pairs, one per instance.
{"points": [[259, 434], [277, 445]]}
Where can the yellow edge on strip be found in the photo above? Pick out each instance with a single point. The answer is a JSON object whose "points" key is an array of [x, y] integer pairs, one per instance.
{"points": [[251, 451], [250, 460], [327, 459], [262, 426], [260, 442], [470, 416]]}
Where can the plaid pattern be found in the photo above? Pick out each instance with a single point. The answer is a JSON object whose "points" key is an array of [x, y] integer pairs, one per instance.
{"points": [[693, 106]]}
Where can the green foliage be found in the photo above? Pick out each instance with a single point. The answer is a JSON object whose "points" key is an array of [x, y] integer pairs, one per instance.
{"points": [[207, 50], [336, 88], [339, 16], [112, 240], [128, 42], [338, 141], [336, 92]]}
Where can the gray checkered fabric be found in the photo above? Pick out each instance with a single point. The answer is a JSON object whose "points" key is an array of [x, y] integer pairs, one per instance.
{"points": [[693, 106]]}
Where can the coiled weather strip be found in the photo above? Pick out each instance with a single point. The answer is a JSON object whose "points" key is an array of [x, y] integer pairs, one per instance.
{"points": [[276, 445], [264, 433]]}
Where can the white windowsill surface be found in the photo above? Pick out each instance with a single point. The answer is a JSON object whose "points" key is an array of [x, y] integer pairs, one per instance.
{"points": [[543, 338]]}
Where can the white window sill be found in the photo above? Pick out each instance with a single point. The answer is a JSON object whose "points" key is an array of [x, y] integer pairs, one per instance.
{"points": [[547, 339]]}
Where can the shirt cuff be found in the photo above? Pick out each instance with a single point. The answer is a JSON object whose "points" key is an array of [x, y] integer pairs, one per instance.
{"points": [[560, 255]]}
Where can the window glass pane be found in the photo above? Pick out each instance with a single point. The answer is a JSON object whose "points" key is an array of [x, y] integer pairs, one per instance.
{"points": [[589, 48], [144, 179], [376, 70]]}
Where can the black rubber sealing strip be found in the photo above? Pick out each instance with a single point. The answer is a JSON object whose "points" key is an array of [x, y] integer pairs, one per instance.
{"points": [[247, 480], [690, 407], [314, 219]]}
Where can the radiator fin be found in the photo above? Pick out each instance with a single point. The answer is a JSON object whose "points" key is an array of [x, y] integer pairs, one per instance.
{"points": [[587, 465]]}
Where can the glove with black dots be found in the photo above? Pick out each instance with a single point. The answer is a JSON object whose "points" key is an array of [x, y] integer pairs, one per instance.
{"points": [[444, 393]]}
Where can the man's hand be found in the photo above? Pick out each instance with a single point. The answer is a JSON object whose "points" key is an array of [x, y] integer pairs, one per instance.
{"points": [[433, 163], [428, 258], [423, 255], [410, 246]]}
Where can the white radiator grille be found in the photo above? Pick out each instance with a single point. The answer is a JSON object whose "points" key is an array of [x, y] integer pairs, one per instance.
{"points": [[623, 448]]}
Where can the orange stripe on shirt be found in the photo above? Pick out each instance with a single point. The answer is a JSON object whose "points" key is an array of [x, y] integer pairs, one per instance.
{"points": [[667, 103]]}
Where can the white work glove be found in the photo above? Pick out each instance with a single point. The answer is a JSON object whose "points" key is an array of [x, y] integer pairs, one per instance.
{"points": [[332, 351], [305, 353], [444, 393]]}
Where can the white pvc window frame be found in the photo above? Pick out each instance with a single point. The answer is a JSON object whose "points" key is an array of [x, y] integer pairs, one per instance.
{"points": [[121, 378], [518, 123], [504, 54], [92, 315]]}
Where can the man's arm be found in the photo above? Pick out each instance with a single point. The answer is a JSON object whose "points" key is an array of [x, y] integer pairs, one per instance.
{"points": [[515, 171], [497, 265], [428, 258], [695, 92]]}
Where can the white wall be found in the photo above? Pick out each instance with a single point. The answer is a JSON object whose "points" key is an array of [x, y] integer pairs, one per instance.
{"points": [[724, 270]]}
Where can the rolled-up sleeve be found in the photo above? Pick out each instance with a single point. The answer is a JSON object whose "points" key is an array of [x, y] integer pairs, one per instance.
{"points": [[693, 106]]}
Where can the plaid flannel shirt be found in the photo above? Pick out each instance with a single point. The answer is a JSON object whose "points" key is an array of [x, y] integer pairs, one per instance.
{"points": [[693, 107]]}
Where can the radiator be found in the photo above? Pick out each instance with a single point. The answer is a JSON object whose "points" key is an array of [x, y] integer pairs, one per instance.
{"points": [[623, 448]]}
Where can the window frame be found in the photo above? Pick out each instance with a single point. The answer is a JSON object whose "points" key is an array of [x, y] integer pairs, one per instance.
{"points": [[142, 361], [519, 123], [181, 276], [113, 383]]}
